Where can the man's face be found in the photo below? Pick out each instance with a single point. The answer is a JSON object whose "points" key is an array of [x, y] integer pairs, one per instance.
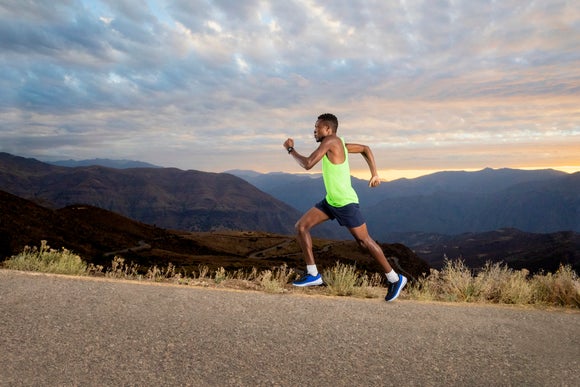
{"points": [[320, 130]]}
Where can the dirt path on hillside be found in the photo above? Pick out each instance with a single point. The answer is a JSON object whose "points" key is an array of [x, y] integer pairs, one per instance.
{"points": [[141, 246], [263, 254], [58, 330]]}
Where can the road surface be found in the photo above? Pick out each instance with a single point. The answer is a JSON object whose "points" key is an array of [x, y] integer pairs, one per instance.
{"points": [[71, 331]]}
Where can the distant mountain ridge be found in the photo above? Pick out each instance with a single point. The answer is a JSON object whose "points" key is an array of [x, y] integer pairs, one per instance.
{"points": [[450, 202], [447, 203], [109, 163], [166, 197]]}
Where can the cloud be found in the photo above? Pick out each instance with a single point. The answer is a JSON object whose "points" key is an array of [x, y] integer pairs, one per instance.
{"points": [[212, 84]]}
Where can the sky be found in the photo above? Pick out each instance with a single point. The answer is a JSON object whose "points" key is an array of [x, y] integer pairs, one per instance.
{"points": [[219, 85]]}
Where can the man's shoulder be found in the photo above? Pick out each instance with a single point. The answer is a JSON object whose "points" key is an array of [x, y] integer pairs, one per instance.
{"points": [[332, 140]]}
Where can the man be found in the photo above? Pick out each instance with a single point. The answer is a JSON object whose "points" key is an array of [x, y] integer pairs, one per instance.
{"points": [[341, 201]]}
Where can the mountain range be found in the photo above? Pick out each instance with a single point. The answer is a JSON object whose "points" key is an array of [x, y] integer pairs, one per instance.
{"points": [[490, 214], [526, 219], [165, 197], [121, 164], [540, 201]]}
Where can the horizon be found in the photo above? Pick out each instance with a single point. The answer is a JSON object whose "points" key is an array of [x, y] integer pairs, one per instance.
{"points": [[385, 174], [213, 85], [390, 175]]}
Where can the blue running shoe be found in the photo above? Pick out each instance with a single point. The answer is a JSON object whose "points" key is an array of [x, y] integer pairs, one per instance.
{"points": [[395, 288], [308, 280]]}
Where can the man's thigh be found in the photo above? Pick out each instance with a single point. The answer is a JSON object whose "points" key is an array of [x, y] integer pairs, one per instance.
{"points": [[312, 217]]}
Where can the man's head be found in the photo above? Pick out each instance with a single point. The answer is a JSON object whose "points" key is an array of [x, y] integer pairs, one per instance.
{"points": [[326, 124], [330, 120]]}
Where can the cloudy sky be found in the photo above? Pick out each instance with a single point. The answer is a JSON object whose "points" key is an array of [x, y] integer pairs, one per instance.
{"points": [[218, 85]]}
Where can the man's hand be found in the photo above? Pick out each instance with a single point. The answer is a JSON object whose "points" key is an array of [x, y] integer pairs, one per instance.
{"points": [[288, 143], [375, 181]]}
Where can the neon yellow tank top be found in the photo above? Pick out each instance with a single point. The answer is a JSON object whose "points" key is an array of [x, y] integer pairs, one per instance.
{"points": [[339, 191]]}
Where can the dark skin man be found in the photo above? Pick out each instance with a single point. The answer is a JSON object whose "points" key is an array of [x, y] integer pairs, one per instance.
{"points": [[335, 151]]}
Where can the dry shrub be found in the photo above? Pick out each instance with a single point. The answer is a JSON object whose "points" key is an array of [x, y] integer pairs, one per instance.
{"points": [[456, 281], [427, 287], [497, 283], [370, 286], [500, 284], [453, 283], [202, 272], [346, 280], [561, 288], [47, 260], [516, 289], [341, 279], [119, 269], [158, 274], [275, 281]]}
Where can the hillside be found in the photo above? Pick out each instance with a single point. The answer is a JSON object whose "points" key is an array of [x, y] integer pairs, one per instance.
{"points": [[97, 235], [166, 197], [518, 249]]}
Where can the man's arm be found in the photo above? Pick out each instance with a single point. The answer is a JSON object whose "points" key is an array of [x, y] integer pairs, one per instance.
{"points": [[310, 161], [367, 154]]}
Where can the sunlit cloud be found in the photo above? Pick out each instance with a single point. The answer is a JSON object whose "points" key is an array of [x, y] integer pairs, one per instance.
{"points": [[217, 85]]}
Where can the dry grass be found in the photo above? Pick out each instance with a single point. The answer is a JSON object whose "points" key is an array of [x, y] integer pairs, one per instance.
{"points": [[276, 280], [345, 280], [561, 288], [494, 283]]}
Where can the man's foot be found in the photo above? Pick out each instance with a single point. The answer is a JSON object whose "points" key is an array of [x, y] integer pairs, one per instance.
{"points": [[308, 280], [395, 288]]}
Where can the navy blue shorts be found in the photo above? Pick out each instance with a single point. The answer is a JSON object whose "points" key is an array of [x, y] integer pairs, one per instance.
{"points": [[347, 216]]}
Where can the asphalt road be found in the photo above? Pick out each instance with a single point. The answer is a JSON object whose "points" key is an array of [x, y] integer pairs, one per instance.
{"points": [[69, 331]]}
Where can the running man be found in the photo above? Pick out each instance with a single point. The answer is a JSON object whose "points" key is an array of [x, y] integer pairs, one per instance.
{"points": [[341, 201]]}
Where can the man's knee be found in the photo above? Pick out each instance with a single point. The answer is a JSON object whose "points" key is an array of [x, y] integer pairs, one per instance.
{"points": [[301, 227], [363, 244], [367, 243]]}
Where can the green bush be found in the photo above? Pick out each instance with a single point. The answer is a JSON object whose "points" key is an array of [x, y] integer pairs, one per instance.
{"points": [[47, 260]]}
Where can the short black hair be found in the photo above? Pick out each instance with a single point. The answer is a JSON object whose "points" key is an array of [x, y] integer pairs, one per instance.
{"points": [[330, 119]]}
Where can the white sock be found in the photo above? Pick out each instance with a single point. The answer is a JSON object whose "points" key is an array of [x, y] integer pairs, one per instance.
{"points": [[392, 276], [312, 270]]}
